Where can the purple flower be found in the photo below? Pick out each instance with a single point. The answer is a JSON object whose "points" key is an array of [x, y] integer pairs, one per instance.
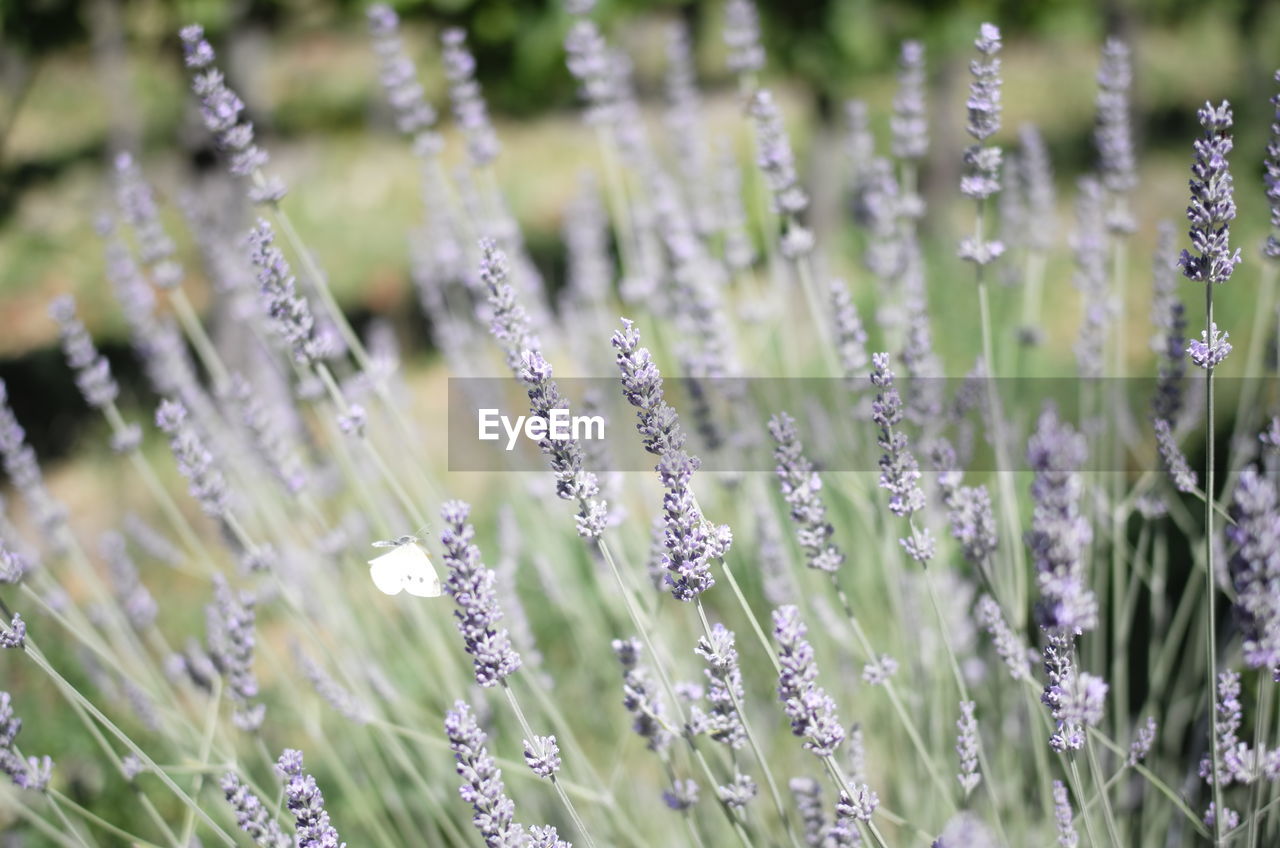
{"points": [[222, 112], [470, 584], [1113, 134], [1075, 699], [1142, 742], [808, 795], [657, 422], [197, 464], [1230, 818], [811, 710], [133, 597], [482, 785], [1169, 317], [983, 162], [742, 37], [801, 488], [414, 115], [967, 748], [1067, 836], [229, 637], [15, 634], [640, 696], [252, 816], [1211, 349], [860, 807], [573, 481], [268, 434], [1037, 179], [1213, 207], [1272, 178], [305, 801], [542, 755], [1184, 479], [469, 108], [738, 792], [899, 472], [1089, 248], [877, 206], [775, 157], [32, 773], [1009, 646], [691, 541], [1060, 533], [682, 795], [93, 372], [910, 123], [138, 206], [289, 312], [589, 61], [724, 687], [850, 337], [1255, 567]]}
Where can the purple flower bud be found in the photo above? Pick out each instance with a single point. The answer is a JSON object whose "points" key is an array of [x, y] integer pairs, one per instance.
{"points": [[289, 312], [542, 755], [414, 115], [15, 634], [93, 372], [811, 710], [801, 487], [1213, 206], [724, 687], [470, 584], [469, 108], [482, 785], [252, 816], [640, 696], [1067, 836], [739, 792], [1211, 349], [306, 803], [1184, 479], [967, 748], [910, 123], [1142, 742], [682, 795], [742, 37], [197, 464], [1255, 567]]}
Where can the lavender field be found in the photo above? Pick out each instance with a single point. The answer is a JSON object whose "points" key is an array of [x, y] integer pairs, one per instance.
{"points": [[926, 493]]}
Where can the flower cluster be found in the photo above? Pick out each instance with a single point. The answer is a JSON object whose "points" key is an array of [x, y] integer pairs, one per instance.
{"points": [[1075, 699], [469, 108], [289, 311], [93, 372], [252, 816], [223, 113], [482, 785], [305, 801], [640, 696], [1113, 134], [195, 461], [32, 773], [1213, 205], [811, 710], [230, 642], [724, 688], [967, 748], [1255, 567], [899, 471], [801, 488], [470, 584], [910, 123], [138, 206], [414, 115]]}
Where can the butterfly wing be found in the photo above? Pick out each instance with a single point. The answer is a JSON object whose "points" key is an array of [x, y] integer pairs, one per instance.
{"points": [[389, 571], [420, 578]]}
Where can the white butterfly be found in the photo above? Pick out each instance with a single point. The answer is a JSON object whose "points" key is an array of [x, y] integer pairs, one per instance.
{"points": [[407, 566]]}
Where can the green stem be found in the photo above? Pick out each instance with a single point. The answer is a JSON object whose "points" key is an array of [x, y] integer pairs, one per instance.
{"points": [[1211, 583]]}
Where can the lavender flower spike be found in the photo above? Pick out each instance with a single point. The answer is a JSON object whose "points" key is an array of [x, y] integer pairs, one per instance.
{"points": [[724, 687], [640, 696], [742, 37], [509, 322], [811, 710], [1212, 206], [1113, 134], [910, 122], [230, 642], [205, 480], [658, 423], [482, 785], [801, 488], [1211, 349], [414, 115], [1255, 567], [967, 748], [1271, 179], [469, 108], [982, 160], [566, 457], [14, 634], [23, 470], [1184, 479], [1067, 836], [222, 112], [93, 372], [305, 801], [32, 773], [252, 816], [777, 163], [289, 312], [899, 471], [691, 541], [1009, 646], [470, 584], [542, 755], [138, 206]]}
